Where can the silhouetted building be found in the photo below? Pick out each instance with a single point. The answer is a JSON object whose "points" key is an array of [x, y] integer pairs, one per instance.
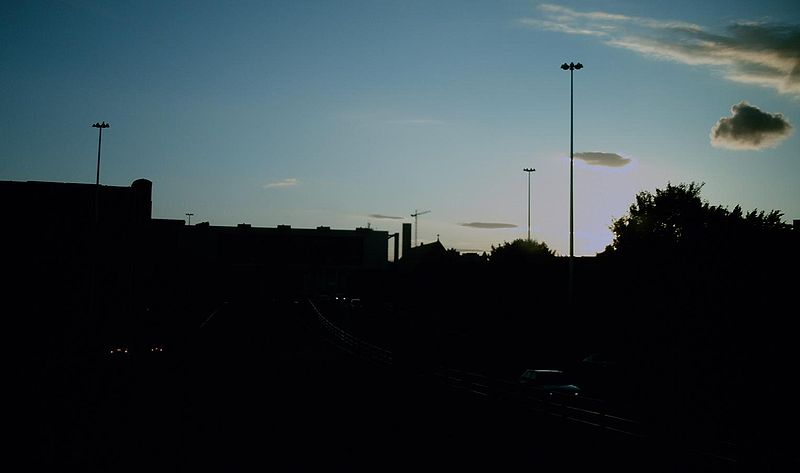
{"points": [[92, 257], [59, 204], [424, 253], [276, 261], [71, 255], [473, 258], [406, 238]]}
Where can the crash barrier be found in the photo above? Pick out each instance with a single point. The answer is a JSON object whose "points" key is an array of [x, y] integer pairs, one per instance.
{"points": [[572, 407], [351, 344]]}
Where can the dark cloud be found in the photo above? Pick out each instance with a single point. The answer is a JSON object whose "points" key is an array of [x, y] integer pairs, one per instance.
{"points": [[390, 217], [751, 52], [750, 128], [597, 158], [488, 225]]}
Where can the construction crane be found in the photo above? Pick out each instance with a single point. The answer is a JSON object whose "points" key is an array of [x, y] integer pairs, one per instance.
{"points": [[416, 225]]}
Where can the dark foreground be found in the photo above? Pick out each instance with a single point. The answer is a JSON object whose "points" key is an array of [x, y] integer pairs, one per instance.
{"points": [[270, 392]]}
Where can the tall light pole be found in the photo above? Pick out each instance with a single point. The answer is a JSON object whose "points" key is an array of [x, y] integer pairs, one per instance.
{"points": [[571, 67], [99, 127], [529, 171], [95, 302], [189, 215]]}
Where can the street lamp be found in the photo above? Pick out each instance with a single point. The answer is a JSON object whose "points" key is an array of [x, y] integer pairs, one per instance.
{"points": [[571, 67], [95, 307], [99, 127], [189, 215], [529, 171]]}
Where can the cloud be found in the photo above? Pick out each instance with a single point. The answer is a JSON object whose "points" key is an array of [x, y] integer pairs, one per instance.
{"points": [[749, 128], [391, 217], [288, 182], [597, 158], [758, 53], [488, 225], [415, 121]]}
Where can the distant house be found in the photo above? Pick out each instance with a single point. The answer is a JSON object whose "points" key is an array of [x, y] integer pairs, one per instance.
{"points": [[424, 253]]}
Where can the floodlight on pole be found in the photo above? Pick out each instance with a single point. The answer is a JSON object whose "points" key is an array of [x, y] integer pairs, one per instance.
{"points": [[189, 216], [571, 67], [95, 302], [529, 171], [99, 126]]}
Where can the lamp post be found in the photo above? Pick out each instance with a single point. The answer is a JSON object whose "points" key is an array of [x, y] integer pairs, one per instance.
{"points": [[99, 127], [95, 302], [571, 67], [189, 216], [529, 171]]}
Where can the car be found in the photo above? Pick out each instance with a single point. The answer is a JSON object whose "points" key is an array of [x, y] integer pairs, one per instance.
{"points": [[550, 381]]}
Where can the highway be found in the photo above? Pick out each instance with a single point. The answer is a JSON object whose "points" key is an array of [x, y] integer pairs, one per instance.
{"points": [[266, 387]]}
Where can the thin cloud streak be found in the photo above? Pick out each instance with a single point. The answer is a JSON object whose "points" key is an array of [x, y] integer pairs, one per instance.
{"points": [[415, 121], [489, 225], [389, 217], [756, 53], [597, 158], [288, 182], [564, 14]]}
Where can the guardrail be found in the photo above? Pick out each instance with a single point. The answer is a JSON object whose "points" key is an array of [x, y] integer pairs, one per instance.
{"points": [[577, 408], [352, 344]]}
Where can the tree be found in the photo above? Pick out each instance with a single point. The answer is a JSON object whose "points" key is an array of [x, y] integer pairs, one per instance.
{"points": [[676, 221], [704, 302], [693, 257], [520, 251]]}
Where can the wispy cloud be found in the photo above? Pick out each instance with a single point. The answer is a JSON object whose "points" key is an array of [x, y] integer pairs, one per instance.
{"points": [[390, 119], [288, 182], [758, 53], [749, 128], [389, 217], [415, 121], [597, 158], [488, 225]]}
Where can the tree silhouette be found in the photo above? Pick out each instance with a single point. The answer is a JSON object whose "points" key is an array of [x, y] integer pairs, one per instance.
{"points": [[520, 251], [676, 221], [703, 304]]}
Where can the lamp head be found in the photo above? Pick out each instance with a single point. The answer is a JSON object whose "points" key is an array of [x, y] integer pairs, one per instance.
{"points": [[565, 66], [579, 66]]}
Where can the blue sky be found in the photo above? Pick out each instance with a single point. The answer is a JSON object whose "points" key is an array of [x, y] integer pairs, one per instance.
{"points": [[344, 113]]}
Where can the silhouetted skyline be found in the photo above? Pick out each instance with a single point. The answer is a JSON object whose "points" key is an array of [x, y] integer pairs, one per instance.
{"points": [[353, 113]]}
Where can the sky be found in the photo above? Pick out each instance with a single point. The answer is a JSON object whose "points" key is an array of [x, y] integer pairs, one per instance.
{"points": [[359, 113]]}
